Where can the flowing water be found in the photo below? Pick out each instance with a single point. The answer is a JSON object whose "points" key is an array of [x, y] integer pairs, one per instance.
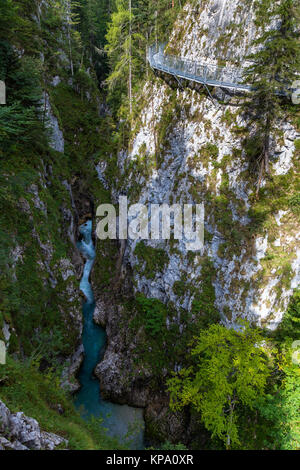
{"points": [[122, 421]]}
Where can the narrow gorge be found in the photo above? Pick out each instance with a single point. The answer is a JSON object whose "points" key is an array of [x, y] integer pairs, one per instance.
{"points": [[140, 342], [122, 421]]}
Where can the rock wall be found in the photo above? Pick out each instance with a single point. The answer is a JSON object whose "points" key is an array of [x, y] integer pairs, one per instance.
{"points": [[19, 432], [188, 148], [203, 157]]}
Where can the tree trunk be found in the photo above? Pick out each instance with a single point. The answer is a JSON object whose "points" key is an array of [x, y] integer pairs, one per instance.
{"points": [[228, 441], [156, 32], [68, 8], [260, 175], [147, 43], [130, 60], [267, 148], [265, 156]]}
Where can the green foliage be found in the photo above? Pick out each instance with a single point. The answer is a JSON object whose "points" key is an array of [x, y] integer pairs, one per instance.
{"points": [[169, 446], [212, 150], [230, 369], [179, 288], [281, 410], [123, 49], [294, 203], [20, 122], [297, 145], [276, 63], [8, 18], [227, 370], [94, 18], [24, 388], [204, 300], [152, 260], [171, 112], [273, 69], [290, 325], [29, 302], [18, 125], [155, 314], [134, 25], [161, 343], [228, 117], [252, 148]]}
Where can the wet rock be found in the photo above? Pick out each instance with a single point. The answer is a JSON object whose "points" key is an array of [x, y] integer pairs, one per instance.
{"points": [[100, 313], [69, 381]]}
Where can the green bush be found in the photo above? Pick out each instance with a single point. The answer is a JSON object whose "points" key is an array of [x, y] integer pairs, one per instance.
{"points": [[294, 203], [24, 388], [155, 314], [155, 259], [290, 325]]}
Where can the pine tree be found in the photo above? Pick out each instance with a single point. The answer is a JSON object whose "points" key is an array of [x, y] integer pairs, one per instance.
{"points": [[274, 67], [71, 19], [94, 18], [135, 24], [281, 410], [123, 47]]}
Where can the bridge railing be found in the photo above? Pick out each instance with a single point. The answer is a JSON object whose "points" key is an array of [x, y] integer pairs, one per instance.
{"points": [[204, 73]]}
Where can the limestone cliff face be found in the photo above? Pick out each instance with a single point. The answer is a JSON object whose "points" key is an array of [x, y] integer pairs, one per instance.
{"points": [[190, 149], [202, 156], [213, 31]]}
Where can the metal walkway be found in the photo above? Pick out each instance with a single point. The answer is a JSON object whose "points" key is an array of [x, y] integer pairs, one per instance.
{"points": [[207, 75]]}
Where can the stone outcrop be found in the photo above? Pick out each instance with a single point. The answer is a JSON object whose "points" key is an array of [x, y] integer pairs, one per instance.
{"points": [[19, 432]]}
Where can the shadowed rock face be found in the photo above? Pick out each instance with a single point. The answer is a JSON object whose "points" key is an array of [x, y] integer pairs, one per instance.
{"points": [[56, 136], [19, 432]]}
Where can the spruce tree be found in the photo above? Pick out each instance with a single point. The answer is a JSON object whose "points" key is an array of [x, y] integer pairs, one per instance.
{"points": [[94, 18], [274, 68], [134, 25], [123, 47]]}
